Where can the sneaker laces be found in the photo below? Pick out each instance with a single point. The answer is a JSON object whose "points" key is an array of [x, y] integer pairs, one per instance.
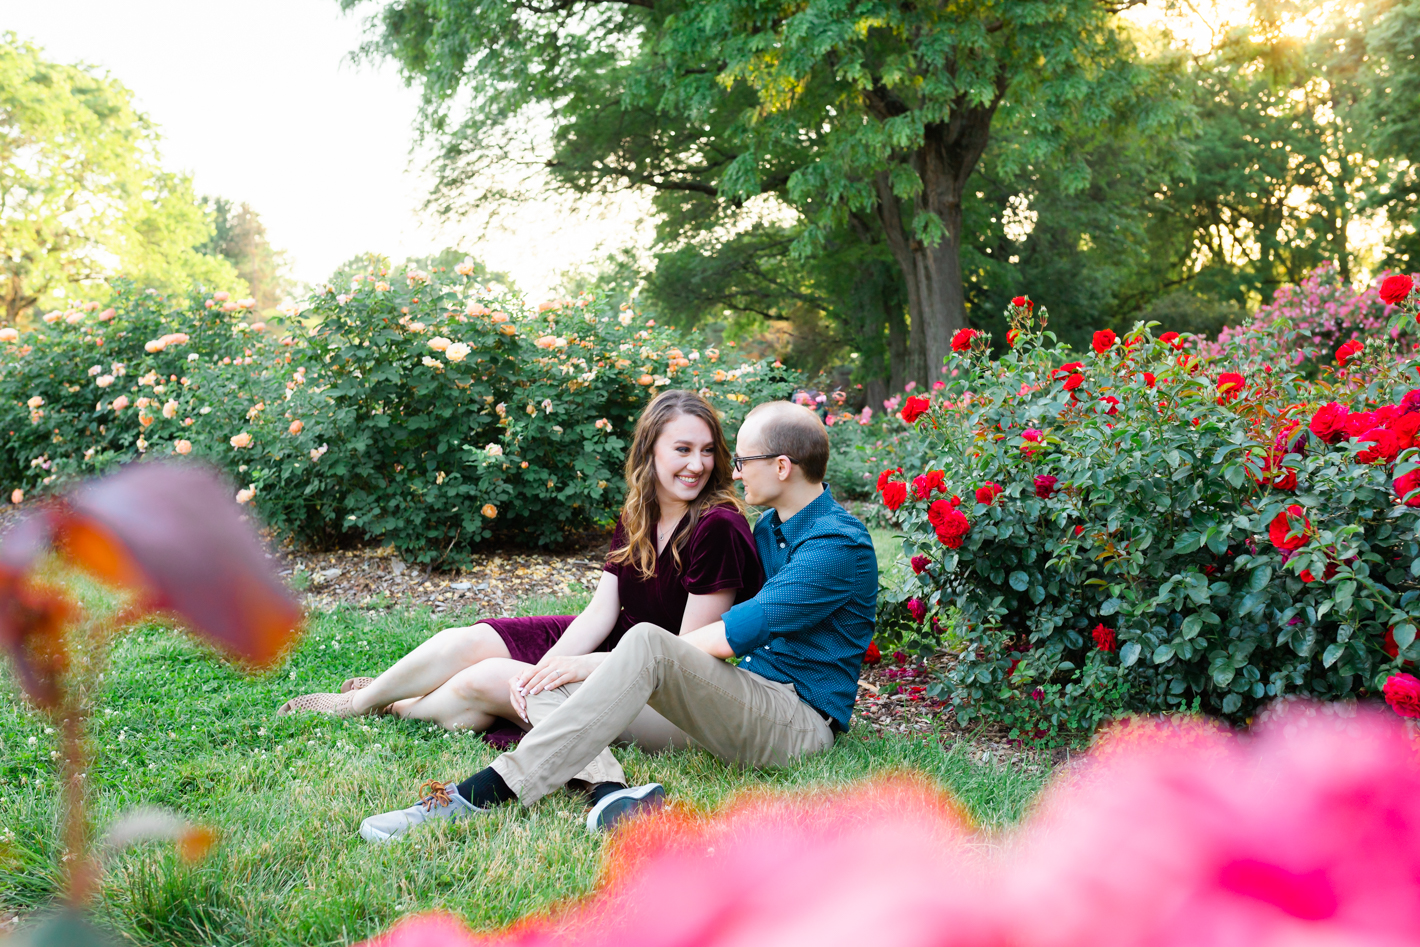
{"points": [[435, 793]]}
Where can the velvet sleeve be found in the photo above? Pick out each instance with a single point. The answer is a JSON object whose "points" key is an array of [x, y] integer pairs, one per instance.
{"points": [[618, 539], [721, 555]]}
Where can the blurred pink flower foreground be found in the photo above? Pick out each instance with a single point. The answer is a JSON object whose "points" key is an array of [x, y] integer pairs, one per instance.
{"points": [[1306, 833]]}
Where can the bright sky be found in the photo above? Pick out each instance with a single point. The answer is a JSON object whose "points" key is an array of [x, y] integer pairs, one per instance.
{"points": [[258, 101]]}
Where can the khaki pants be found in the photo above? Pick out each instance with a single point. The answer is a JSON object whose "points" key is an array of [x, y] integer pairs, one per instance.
{"points": [[735, 714]]}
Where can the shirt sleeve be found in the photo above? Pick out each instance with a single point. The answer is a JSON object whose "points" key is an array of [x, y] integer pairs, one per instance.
{"points": [[721, 554], [817, 581], [618, 539]]}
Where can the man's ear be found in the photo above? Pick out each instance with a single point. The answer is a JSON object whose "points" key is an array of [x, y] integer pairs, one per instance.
{"points": [[784, 467]]}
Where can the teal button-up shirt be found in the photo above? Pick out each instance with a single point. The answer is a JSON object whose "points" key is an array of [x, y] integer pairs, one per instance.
{"points": [[813, 620]]}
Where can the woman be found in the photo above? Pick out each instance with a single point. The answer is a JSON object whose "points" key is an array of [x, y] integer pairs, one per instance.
{"points": [[681, 555]]}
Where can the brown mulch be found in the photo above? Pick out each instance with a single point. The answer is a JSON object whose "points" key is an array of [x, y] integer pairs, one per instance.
{"points": [[493, 583]]}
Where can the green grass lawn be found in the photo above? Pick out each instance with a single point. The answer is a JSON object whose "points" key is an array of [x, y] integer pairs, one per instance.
{"points": [[177, 727]]}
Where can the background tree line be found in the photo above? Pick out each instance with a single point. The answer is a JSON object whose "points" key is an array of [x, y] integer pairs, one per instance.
{"points": [[874, 174], [84, 197]]}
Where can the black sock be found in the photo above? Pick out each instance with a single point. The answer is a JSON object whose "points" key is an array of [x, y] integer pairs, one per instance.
{"points": [[486, 788], [601, 790]]}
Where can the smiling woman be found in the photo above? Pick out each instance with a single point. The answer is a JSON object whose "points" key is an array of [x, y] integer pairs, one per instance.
{"points": [[681, 556]]}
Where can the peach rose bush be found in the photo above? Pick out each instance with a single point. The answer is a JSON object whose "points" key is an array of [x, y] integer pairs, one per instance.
{"points": [[402, 409], [1147, 527]]}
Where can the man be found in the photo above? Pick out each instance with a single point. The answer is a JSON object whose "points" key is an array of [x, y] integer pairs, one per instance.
{"points": [[800, 640]]}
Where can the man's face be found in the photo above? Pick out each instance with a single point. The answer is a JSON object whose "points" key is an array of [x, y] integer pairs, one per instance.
{"points": [[760, 478]]}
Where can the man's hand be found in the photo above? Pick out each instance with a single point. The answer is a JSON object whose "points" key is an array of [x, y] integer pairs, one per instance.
{"points": [[711, 639], [548, 674]]}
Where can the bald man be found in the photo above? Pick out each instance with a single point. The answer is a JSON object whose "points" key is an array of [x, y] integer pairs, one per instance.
{"points": [[800, 642]]}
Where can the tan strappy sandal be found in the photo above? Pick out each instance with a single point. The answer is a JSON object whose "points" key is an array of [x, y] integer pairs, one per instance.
{"points": [[337, 705], [356, 684]]}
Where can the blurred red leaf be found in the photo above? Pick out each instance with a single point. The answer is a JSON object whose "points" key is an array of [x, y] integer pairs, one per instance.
{"points": [[32, 619], [173, 532]]}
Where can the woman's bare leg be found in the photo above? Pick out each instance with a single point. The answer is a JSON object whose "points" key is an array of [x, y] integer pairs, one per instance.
{"points": [[429, 666], [470, 699]]}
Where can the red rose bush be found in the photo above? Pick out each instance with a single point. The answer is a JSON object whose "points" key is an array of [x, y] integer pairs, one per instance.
{"points": [[1161, 528]]}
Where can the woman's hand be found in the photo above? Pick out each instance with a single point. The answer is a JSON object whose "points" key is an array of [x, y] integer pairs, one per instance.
{"points": [[551, 672]]}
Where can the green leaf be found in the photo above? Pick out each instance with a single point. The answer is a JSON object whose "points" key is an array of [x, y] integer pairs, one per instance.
{"points": [[1110, 606], [1404, 635], [1020, 581], [1192, 625], [1162, 653], [1129, 653], [1332, 653]]}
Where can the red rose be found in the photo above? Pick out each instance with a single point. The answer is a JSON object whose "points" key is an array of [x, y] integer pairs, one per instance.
{"points": [[1063, 370], [1104, 637], [919, 486], [1346, 351], [885, 476], [937, 480], [1149, 379], [1411, 402], [1011, 337], [1402, 692], [1103, 339], [1283, 478], [920, 564], [1045, 486], [1329, 422], [894, 495], [1385, 445], [916, 407], [961, 342], [987, 494], [1290, 529], [1405, 427], [1019, 301], [1079, 530], [1171, 338], [872, 655], [1407, 483], [918, 610], [1396, 289], [1074, 381], [953, 528], [1113, 403], [1230, 386], [1390, 647]]}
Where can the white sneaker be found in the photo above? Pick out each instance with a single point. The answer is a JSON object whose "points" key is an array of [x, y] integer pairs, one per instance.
{"points": [[443, 803], [615, 808]]}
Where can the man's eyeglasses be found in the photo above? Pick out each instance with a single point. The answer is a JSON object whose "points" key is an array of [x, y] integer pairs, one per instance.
{"points": [[739, 461]]}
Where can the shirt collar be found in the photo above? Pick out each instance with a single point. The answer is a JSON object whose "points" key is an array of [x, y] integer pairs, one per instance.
{"points": [[798, 524]]}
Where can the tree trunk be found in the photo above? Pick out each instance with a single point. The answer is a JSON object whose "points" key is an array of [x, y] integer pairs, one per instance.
{"points": [[944, 162], [897, 351]]}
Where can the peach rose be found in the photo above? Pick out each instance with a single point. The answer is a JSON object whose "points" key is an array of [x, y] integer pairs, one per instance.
{"points": [[465, 268], [74, 318], [154, 345], [439, 344], [500, 317], [247, 303], [489, 510], [645, 380], [17, 497], [35, 401], [120, 402], [296, 426], [170, 410], [318, 453], [245, 496], [107, 314], [222, 297], [9, 334], [508, 329], [103, 381], [457, 352], [182, 447], [241, 440]]}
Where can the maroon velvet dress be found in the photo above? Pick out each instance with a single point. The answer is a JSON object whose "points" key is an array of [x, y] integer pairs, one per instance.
{"points": [[718, 555]]}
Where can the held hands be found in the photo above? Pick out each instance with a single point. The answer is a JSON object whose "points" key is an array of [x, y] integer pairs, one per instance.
{"points": [[548, 674]]}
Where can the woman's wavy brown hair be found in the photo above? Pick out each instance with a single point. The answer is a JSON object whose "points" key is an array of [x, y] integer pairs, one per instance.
{"points": [[642, 511]]}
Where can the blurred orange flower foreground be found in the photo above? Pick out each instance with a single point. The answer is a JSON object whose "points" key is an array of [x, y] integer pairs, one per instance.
{"points": [[1307, 832]]}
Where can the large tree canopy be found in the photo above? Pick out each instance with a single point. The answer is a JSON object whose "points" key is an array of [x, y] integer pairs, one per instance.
{"points": [[82, 196], [868, 117]]}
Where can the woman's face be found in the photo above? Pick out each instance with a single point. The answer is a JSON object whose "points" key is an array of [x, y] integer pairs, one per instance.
{"points": [[684, 457]]}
